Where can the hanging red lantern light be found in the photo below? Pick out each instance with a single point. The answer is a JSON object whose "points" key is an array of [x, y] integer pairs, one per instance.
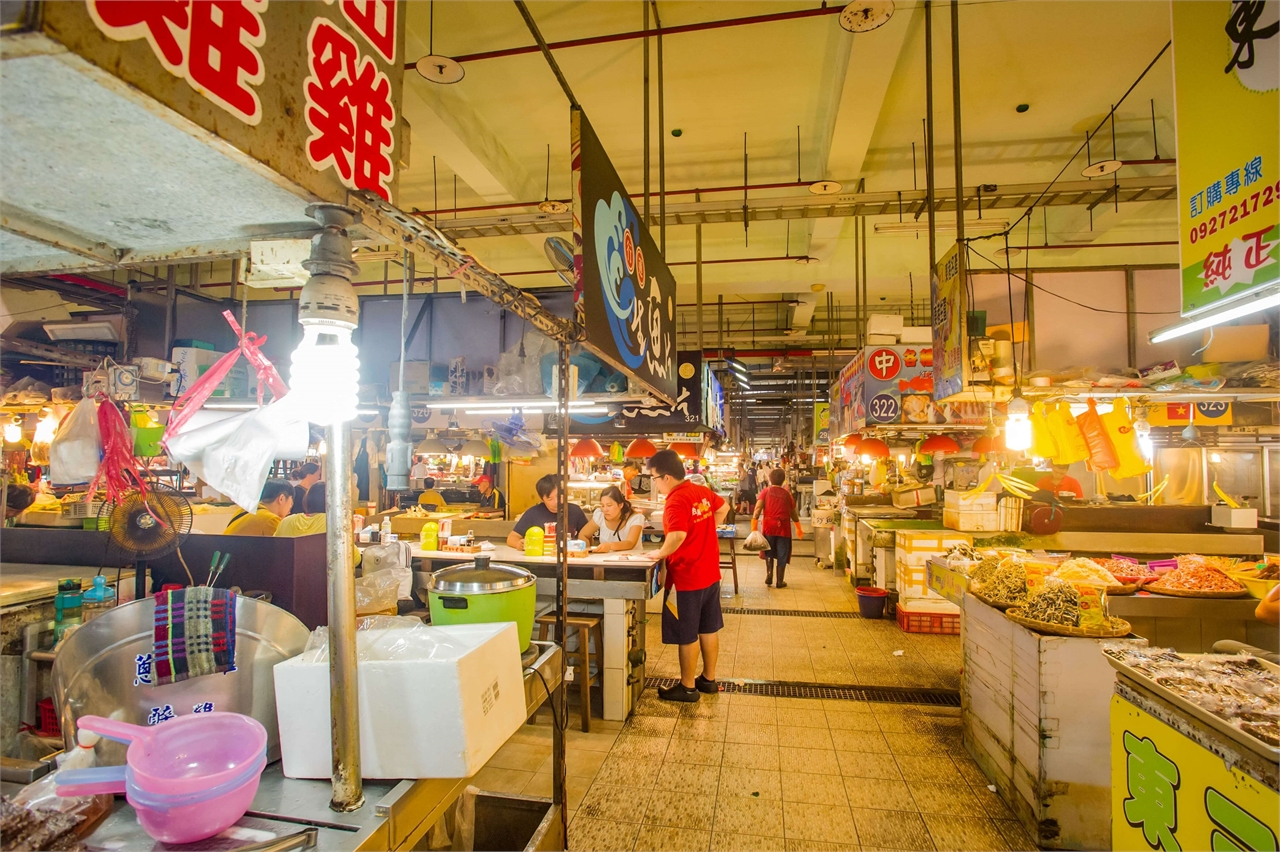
{"points": [[587, 448], [685, 449], [875, 448], [640, 448], [935, 444]]}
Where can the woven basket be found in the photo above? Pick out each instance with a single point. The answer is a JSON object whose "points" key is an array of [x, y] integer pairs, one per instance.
{"points": [[1117, 627], [1183, 593]]}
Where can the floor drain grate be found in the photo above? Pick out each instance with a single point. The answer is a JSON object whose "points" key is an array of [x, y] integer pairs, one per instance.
{"points": [[783, 689], [799, 613]]}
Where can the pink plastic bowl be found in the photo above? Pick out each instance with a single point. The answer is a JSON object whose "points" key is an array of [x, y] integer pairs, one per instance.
{"points": [[200, 820], [187, 754]]}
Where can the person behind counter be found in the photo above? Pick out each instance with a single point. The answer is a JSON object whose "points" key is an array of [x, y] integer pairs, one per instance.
{"points": [[630, 470], [303, 476], [310, 519], [546, 512], [490, 497], [691, 616], [431, 497], [778, 509], [276, 501], [619, 525], [1058, 483], [420, 469], [18, 499]]}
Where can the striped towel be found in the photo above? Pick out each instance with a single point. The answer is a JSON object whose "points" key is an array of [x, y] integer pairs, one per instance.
{"points": [[195, 633]]}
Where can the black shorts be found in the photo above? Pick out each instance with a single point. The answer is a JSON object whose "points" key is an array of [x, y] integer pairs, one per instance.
{"points": [[779, 548], [698, 611]]}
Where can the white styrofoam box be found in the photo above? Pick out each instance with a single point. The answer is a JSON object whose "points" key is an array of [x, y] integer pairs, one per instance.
{"points": [[1225, 516], [915, 547], [885, 324], [882, 340], [441, 717], [964, 500], [917, 334], [187, 362], [971, 520]]}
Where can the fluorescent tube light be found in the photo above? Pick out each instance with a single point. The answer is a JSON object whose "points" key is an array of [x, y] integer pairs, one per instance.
{"points": [[921, 227], [1251, 305]]}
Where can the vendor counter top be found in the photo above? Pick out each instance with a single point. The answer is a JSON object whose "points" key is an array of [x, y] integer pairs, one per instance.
{"points": [[24, 584], [290, 813], [595, 575]]}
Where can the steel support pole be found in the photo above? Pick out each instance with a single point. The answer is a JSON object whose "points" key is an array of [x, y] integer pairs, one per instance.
{"points": [[1131, 316], [662, 148], [558, 768], [170, 298], [697, 238], [955, 106], [647, 222], [344, 705], [928, 140], [866, 307], [857, 290]]}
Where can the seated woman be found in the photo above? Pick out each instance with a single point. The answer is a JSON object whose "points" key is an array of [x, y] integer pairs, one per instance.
{"points": [[312, 519], [618, 524]]}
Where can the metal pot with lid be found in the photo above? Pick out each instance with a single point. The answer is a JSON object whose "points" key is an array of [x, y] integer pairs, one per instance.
{"points": [[483, 592]]}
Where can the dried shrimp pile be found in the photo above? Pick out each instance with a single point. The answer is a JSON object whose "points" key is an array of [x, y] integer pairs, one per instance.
{"points": [[1195, 578]]}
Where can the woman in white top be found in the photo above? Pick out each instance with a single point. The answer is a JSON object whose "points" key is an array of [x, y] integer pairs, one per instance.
{"points": [[618, 524]]}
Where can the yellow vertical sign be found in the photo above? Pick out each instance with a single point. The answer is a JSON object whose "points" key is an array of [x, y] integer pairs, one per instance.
{"points": [[1170, 793], [1226, 62], [950, 342]]}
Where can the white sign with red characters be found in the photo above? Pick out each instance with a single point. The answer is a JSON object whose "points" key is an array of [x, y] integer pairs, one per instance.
{"points": [[349, 110], [212, 44]]}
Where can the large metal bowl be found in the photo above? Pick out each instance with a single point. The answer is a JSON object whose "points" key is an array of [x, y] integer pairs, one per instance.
{"points": [[96, 672]]}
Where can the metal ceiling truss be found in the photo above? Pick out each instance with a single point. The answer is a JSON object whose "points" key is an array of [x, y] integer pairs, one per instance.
{"points": [[400, 228], [910, 204]]}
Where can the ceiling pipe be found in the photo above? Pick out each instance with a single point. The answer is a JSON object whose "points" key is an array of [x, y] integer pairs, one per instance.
{"points": [[100, 286], [639, 34]]}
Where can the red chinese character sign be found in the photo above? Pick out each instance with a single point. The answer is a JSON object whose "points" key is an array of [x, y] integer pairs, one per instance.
{"points": [[309, 89], [349, 111], [212, 44]]}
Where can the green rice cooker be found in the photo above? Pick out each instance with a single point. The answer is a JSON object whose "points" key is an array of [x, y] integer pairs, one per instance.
{"points": [[482, 592]]}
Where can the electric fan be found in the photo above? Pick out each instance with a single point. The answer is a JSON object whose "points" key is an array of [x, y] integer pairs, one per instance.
{"points": [[560, 253], [141, 527], [513, 433]]}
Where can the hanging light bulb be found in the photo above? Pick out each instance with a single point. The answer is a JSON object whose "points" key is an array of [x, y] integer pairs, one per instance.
{"points": [[13, 431], [324, 375], [1017, 429], [45, 429], [1142, 429]]}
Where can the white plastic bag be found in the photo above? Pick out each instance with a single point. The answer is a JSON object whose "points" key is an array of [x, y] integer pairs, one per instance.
{"points": [[397, 557], [76, 450], [755, 541], [377, 593], [234, 455]]}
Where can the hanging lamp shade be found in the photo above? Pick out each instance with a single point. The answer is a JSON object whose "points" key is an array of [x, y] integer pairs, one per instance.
{"points": [[851, 443], [640, 448], [684, 449], [875, 448], [476, 448], [939, 444], [987, 444], [432, 446], [587, 448]]}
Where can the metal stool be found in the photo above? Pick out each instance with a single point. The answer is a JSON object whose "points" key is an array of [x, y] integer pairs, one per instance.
{"points": [[580, 659]]}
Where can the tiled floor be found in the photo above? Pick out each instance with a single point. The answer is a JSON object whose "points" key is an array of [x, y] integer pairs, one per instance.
{"points": [[746, 772]]}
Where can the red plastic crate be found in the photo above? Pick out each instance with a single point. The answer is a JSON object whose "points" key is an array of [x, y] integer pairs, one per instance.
{"points": [[47, 719], [946, 624]]}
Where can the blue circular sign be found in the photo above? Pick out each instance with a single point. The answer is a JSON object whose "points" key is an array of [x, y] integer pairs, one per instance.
{"points": [[883, 408]]}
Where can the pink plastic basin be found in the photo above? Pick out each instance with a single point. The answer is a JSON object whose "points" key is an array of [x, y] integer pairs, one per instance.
{"points": [[198, 821], [187, 754]]}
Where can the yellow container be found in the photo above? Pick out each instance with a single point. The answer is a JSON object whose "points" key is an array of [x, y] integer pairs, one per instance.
{"points": [[1257, 588]]}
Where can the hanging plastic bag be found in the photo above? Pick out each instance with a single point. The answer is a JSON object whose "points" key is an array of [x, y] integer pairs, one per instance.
{"points": [[1119, 428], [377, 593], [1042, 444], [234, 455], [1102, 455], [76, 450], [1066, 435], [755, 541]]}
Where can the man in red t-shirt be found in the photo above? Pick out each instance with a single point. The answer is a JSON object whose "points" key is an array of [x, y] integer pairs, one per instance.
{"points": [[691, 615]]}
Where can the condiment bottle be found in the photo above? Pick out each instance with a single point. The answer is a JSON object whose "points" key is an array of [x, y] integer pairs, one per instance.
{"points": [[430, 536], [549, 540], [386, 527], [98, 599], [533, 542]]}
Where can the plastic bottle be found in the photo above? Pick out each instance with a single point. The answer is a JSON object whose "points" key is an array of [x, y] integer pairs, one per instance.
{"points": [[67, 607], [98, 599], [83, 755], [386, 527], [533, 542], [430, 536]]}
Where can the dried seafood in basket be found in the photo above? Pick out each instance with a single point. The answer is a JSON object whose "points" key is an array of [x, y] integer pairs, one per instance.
{"points": [[1126, 570], [1007, 584], [1197, 580], [1085, 571], [990, 562], [1056, 602], [1195, 560]]}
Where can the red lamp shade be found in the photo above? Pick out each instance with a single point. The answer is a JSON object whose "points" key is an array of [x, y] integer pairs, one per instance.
{"points": [[587, 448], [684, 450], [875, 448], [939, 444], [640, 448], [851, 443], [986, 445]]}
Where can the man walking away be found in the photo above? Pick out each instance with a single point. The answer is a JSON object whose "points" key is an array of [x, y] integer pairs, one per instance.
{"points": [[691, 615], [778, 509]]}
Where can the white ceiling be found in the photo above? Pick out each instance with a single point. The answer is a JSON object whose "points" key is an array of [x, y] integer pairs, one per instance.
{"points": [[859, 102]]}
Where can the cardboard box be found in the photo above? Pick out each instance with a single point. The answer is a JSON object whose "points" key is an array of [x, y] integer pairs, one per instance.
{"points": [[190, 362], [420, 377], [885, 324], [881, 339], [437, 712], [1236, 343], [918, 335]]}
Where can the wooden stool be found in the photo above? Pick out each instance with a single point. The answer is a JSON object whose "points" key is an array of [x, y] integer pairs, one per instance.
{"points": [[732, 561], [587, 626]]}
